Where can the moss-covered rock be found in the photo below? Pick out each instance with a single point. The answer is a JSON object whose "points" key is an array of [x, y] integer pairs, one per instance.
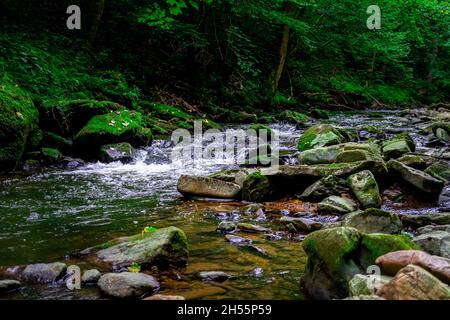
{"points": [[319, 114], [117, 152], [256, 187], [18, 118], [439, 170], [400, 144], [441, 130], [162, 247], [53, 140], [335, 205], [365, 188], [293, 117], [413, 161], [324, 187], [375, 245], [330, 265], [113, 127], [322, 135]]}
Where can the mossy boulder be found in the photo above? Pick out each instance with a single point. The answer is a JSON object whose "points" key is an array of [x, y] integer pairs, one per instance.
{"points": [[53, 140], [67, 117], [18, 119], [365, 188], [256, 187], [374, 221], [330, 265], [400, 144], [439, 170], [413, 161], [375, 245], [441, 130], [113, 127], [322, 135], [162, 247], [319, 114]]}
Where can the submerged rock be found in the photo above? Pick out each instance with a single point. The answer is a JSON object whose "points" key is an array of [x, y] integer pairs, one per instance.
{"points": [[216, 276], [240, 241], [374, 221], [226, 226], [302, 224], [247, 227], [117, 152], [336, 205], [324, 187], [44, 272], [127, 284], [365, 188], [163, 247], [418, 179], [414, 283], [207, 187]]}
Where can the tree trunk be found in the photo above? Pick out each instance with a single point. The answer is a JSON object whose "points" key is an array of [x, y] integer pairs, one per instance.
{"points": [[99, 7], [283, 55]]}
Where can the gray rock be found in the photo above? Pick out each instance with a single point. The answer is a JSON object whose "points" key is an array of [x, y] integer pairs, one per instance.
{"points": [[398, 145], [216, 276], [226, 226], [426, 219], [418, 179], [444, 199], [336, 205], [207, 187], [302, 224], [374, 221], [435, 242], [324, 187], [240, 241], [365, 188], [9, 285], [91, 276], [127, 284], [366, 284], [44, 272], [117, 152]]}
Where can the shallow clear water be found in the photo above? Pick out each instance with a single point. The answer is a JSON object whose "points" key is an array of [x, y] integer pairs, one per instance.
{"points": [[45, 217]]}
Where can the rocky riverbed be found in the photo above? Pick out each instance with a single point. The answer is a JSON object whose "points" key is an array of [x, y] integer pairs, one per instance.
{"points": [[355, 193]]}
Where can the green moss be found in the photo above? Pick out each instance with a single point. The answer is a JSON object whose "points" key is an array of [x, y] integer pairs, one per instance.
{"points": [[375, 245], [256, 187], [18, 118], [321, 135], [439, 170], [51, 153], [293, 117], [319, 114], [54, 140], [114, 127]]}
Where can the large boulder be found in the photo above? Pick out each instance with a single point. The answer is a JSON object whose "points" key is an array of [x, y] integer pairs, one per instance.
{"points": [[439, 170], [44, 272], [392, 262], [374, 221], [330, 265], [207, 187], [322, 135], [365, 188], [418, 179], [324, 187], [375, 245], [113, 127], [336, 205], [444, 200], [162, 247], [322, 155], [414, 283], [18, 119], [398, 145], [127, 284]]}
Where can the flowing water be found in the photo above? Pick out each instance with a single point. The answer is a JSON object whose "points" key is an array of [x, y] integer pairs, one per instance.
{"points": [[47, 216]]}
